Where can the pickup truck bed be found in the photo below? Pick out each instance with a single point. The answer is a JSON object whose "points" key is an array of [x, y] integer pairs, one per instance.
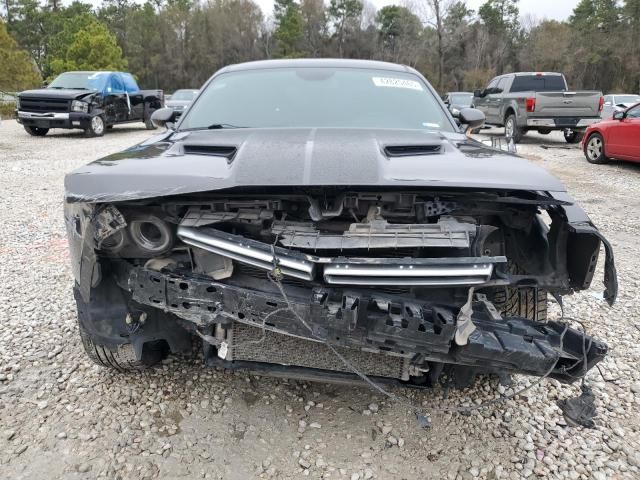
{"points": [[538, 101]]}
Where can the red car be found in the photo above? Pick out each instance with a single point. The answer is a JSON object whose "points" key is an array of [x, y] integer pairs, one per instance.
{"points": [[618, 137]]}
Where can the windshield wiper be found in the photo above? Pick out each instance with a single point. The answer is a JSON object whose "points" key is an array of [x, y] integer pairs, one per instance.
{"points": [[214, 126], [218, 126]]}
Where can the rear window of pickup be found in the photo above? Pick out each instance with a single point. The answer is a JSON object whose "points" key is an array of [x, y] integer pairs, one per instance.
{"points": [[538, 83]]}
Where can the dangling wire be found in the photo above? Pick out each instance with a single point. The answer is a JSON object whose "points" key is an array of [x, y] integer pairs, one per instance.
{"points": [[275, 276]]}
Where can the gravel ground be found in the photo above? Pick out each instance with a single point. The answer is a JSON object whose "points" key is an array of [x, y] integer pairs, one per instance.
{"points": [[63, 417]]}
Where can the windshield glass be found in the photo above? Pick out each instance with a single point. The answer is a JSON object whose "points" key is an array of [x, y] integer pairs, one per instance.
{"points": [[627, 98], [317, 97], [462, 98], [80, 80], [184, 95]]}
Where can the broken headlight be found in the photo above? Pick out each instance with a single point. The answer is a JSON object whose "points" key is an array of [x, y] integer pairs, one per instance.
{"points": [[79, 106]]}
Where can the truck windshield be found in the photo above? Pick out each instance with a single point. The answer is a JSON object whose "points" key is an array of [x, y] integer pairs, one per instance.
{"points": [[538, 83], [81, 81], [317, 97]]}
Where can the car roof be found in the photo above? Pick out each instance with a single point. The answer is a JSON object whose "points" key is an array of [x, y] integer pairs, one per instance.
{"points": [[317, 63]]}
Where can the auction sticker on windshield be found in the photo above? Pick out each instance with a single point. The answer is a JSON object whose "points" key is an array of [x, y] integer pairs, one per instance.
{"points": [[396, 83]]}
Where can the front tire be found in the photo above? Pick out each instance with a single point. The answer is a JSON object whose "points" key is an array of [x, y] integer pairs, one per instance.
{"points": [[573, 136], [594, 149], [121, 358], [35, 131], [511, 129], [96, 127]]}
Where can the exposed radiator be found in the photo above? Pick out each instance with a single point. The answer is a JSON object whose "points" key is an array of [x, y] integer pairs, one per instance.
{"points": [[286, 350]]}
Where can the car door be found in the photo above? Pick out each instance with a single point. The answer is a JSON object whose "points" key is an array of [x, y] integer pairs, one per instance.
{"points": [[495, 100], [624, 137], [482, 102], [136, 99], [118, 99]]}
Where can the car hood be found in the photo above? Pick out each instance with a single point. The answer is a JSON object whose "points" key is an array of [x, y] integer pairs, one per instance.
{"points": [[67, 94], [190, 162]]}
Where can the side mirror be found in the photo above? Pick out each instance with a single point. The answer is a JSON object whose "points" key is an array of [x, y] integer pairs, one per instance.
{"points": [[45, 84], [471, 118], [477, 93], [619, 116], [163, 116]]}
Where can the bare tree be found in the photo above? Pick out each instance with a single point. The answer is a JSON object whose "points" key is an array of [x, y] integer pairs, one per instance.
{"points": [[439, 10]]}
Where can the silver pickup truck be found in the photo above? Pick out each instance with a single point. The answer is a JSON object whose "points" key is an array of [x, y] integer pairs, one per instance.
{"points": [[538, 101]]}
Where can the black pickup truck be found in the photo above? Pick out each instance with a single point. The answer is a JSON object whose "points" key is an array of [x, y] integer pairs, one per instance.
{"points": [[90, 101]]}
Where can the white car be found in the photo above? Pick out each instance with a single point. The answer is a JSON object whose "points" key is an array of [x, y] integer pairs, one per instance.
{"points": [[617, 103]]}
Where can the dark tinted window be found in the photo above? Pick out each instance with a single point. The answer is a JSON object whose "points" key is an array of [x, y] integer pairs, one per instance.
{"points": [[318, 97], [538, 83], [634, 112]]}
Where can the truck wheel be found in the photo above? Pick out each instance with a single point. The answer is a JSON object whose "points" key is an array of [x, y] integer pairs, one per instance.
{"points": [[573, 136], [511, 128], [36, 132], [149, 124], [594, 149], [122, 358], [96, 127]]}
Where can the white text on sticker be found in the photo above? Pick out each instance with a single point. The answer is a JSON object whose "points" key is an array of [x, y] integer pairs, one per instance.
{"points": [[396, 83]]}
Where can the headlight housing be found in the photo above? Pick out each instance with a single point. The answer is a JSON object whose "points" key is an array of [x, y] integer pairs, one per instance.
{"points": [[18, 103], [79, 106]]}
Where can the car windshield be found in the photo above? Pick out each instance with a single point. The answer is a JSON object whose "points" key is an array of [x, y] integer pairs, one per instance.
{"points": [[317, 97], [80, 81], [462, 98], [627, 98], [183, 95]]}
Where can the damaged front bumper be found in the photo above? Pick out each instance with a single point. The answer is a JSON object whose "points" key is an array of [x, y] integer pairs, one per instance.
{"points": [[414, 336]]}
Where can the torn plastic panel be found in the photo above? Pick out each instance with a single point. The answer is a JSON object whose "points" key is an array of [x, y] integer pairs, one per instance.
{"points": [[420, 331]]}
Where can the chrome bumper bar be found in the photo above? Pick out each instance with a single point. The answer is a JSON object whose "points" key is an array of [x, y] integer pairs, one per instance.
{"points": [[551, 123], [455, 271], [43, 116]]}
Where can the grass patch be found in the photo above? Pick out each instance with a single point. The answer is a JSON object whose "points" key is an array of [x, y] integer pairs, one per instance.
{"points": [[7, 111]]}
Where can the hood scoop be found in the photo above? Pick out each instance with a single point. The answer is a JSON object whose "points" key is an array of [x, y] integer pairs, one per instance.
{"points": [[392, 151], [226, 151]]}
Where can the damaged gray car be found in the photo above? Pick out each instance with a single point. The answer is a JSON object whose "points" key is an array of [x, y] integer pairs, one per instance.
{"points": [[324, 220]]}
